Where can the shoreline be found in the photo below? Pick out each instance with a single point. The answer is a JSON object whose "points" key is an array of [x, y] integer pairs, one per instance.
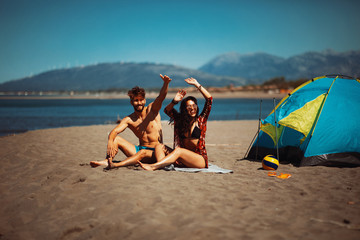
{"points": [[113, 124], [152, 95]]}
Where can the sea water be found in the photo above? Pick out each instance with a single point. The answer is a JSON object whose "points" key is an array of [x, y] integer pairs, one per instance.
{"points": [[21, 115]]}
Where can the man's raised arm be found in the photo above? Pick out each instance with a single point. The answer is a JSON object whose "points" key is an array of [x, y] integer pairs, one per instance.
{"points": [[156, 106]]}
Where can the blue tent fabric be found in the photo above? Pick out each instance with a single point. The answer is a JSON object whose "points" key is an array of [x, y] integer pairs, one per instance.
{"points": [[328, 108], [338, 128]]}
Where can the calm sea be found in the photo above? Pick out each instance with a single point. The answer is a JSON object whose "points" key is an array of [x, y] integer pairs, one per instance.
{"points": [[18, 116]]}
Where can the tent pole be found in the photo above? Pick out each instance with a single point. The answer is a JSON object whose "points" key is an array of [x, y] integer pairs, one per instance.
{"points": [[258, 131], [276, 136]]}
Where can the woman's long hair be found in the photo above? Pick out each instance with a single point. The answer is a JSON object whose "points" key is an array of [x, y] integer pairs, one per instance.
{"points": [[184, 121]]}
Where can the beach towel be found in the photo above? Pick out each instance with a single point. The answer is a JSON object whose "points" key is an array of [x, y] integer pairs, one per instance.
{"points": [[212, 168]]}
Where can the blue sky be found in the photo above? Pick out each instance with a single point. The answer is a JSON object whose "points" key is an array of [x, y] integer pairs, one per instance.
{"points": [[42, 35]]}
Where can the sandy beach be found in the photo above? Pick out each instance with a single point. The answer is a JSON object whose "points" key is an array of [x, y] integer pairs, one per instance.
{"points": [[49, 191]]}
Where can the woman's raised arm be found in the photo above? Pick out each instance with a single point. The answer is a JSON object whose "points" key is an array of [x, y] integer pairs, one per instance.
{"points": [[204, 92], [178, 97]]}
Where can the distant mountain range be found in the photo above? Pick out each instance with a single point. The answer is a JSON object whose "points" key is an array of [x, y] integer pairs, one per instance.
{"points": [[258, 67], [114, 76], [230, 68]]}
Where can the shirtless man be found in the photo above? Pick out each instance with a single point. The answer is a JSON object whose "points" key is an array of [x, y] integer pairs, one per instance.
{"points": [[145, 123]]}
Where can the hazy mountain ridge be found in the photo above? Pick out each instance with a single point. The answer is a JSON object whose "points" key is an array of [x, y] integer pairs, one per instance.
{"points": [[258, 67], [230, 68], [114, 76]]}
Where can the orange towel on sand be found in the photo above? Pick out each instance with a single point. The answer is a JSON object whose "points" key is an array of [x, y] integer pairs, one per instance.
{"points": [[282, 175]]}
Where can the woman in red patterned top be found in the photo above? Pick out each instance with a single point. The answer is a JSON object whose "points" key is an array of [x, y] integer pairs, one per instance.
{"points": [[189, 132]]}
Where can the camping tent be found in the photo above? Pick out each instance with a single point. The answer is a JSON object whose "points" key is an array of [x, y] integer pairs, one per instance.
{"points": [[316, 124]]}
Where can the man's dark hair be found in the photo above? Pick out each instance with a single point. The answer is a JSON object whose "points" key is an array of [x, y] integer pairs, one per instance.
{"points": [[136, 91]]}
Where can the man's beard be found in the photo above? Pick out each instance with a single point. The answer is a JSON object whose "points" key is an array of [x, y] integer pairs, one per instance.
{"points": [[141, 107]]}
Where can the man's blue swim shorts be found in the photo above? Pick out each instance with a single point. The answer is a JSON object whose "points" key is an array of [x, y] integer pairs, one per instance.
{"points": [[138, 148]]}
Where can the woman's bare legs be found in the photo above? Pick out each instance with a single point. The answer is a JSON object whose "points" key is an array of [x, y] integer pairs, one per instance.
{"points": [[185, 156]]}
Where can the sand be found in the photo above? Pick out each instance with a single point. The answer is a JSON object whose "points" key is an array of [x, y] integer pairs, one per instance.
{"points": [[49, 191]]}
